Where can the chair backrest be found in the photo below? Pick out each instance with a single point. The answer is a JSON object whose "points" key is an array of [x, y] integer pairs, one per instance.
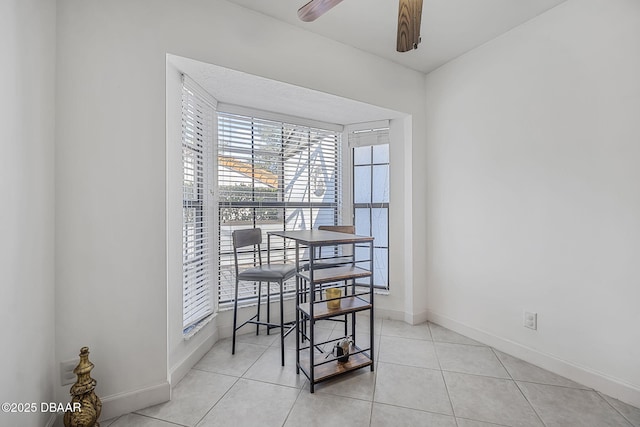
{"points": [[246, 237], [350, 229]]}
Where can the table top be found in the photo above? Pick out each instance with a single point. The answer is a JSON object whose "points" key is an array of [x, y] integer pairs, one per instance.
{"points": [[320, 237]]}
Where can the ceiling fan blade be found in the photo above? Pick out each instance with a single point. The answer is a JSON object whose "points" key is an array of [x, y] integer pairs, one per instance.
{"points": [[315, 8], [409, 17]]}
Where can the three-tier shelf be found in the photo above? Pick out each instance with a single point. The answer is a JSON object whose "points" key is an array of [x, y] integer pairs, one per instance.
{"points": [[314, 275]]}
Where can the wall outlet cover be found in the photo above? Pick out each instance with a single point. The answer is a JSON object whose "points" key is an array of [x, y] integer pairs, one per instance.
{"points": [[531, 320]]}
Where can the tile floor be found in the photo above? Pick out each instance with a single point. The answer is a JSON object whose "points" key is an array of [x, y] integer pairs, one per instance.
{"points": [[425, 375]]}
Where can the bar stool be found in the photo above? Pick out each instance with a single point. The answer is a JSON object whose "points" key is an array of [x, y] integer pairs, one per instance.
{"points": [[260, 273], [339, 260]]}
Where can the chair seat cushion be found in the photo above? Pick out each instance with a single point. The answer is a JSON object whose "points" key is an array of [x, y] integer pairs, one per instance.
{"points": [[268, 272]]}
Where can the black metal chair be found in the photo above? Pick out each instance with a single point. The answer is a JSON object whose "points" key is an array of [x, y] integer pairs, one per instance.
{"points": [[333, 260], [260, 273]]}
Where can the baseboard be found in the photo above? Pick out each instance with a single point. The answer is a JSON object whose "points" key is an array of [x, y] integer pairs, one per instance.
{"points": [[384, 313], [598, 381], [184, 366], [416, 318], [130, 401], [411, 319]]}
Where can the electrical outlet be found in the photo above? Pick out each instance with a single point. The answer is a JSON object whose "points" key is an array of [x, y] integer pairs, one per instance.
{"points": [[66, 372], [531, 320]]}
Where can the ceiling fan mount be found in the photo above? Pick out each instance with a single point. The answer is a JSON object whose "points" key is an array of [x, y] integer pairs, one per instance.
{"points": [[409, 17]]}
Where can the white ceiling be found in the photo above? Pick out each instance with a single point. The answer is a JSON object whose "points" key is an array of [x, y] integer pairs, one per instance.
{"points": [[449, 27]]}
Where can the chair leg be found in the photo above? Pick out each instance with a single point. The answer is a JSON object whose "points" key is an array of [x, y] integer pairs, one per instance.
{"points": [[282, 323], [235, 320], [259, 301], [268, 306]]}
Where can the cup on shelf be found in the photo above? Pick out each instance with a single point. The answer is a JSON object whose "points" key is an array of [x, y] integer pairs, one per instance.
{"points": [[331, 294]]}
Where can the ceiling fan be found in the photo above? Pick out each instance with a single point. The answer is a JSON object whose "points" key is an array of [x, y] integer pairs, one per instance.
{"points": [[409, 15]]}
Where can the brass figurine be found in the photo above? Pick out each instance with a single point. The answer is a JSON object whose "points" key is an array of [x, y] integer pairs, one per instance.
{"points": [[86, 405]]}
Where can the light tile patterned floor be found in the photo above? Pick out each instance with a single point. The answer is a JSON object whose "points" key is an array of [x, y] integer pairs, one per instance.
{"points": [[425, 375]]}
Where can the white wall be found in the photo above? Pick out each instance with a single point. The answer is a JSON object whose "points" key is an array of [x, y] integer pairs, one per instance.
{"points": [[111, 192], [27, 82], [533, 154]]}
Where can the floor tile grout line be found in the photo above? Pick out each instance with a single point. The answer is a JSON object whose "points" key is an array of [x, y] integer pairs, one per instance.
{"points": [[254, 362], [293, 406], [460, 343], [529, 402], [158, 419], [342, 396], [234, 383], [406, 338], [217, 401], [479, 375], [502, 364], [485, 422], [493, 350], [436, 341], [439, 341], [212, 372], [413, 366], [631, 424], [444, 381], [419, 410], [375, 382], [435, 351], [270, 383], [545, 383], [554, 385], [267, 382], [449, 370], [113, 420]]}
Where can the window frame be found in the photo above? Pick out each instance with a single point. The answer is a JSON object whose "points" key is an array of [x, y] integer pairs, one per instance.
{"points": [[370, 135]]}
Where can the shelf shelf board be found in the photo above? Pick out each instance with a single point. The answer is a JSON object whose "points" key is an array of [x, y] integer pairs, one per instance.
{"points": [[335, 274], [332, 369], [347, 305]]}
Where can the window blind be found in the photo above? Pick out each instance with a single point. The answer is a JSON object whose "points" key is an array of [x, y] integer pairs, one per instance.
{"points": [[198, 114], [276, 176], [366, 137]]}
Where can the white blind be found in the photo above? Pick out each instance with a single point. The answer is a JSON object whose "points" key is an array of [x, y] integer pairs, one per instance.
{"points": [[366, 137], [198, 115], [276, 176]]}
